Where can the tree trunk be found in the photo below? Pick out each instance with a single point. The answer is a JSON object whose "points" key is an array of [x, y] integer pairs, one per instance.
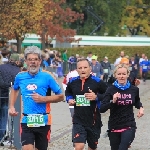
{"points": [[19, 42], [43, 41], [43, 45]]}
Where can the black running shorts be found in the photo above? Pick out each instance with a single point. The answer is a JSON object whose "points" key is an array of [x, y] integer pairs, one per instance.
{"points": [[81, 134], [38, 135]]}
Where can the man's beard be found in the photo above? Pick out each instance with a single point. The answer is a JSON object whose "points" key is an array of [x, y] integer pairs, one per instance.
{"points": [[33, 69]]}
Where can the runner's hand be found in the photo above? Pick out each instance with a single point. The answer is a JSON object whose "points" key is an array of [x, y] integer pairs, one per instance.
{"points": [[116, 96], [137, 82], [140, 113], [90, 96], [71, 102], [37, 98], [12, 111]]}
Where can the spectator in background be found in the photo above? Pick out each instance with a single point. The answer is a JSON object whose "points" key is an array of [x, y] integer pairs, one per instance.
{"points": [[133, 66], [59, 55], [126, 56], [119, 59], [44, 62], [89, 57], [21, 57], [141, 59], [59, 66], [5, 53], [8, 72], [96, 67], [51, 57], [77, 57], [72, 61], [106, 68], [13, 49], [64, 59], [145, 68], [137, 58]]}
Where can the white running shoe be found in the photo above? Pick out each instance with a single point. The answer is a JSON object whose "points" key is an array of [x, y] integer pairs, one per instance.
{"points": [[7, 143]]}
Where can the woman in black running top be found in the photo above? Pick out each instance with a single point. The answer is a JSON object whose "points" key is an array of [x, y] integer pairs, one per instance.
{"points": [[120, 99]]}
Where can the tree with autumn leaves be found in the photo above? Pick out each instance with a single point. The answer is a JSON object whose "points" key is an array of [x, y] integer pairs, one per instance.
{"points": [[56, 24], [136, 18], [47, 18], [55, 19]]}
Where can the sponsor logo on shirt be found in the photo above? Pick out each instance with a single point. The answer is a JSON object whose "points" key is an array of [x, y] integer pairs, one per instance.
{"points": [[31, 87]]}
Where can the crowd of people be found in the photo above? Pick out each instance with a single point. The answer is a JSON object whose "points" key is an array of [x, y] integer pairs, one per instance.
{"points": [[60, 64], [89, 91]]}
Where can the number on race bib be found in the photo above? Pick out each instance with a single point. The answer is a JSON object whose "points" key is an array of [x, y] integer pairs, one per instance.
{"points": [[105, 70], [41, 119], [144, 67], [82, 101], [35, 120]]}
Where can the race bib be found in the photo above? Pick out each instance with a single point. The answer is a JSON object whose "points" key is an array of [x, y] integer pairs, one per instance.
{"points": [[35, 120], [144, 67], [130, 68], [82, 101], [105, 70]]}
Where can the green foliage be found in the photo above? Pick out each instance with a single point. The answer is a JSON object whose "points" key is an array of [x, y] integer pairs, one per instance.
{"points": [[136, 18], [134, 14], [112, 52], [109, 11]]}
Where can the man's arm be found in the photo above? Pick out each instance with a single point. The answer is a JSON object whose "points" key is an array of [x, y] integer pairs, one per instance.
{"points": [[58, 93], [69, 95], [56, 89], [53, 85], [98, 96], [53, 98], [48, 99], [13, 97]]}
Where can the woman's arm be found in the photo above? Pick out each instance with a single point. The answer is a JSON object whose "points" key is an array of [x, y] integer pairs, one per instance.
{"points": [[138, 103], [106, 102]]}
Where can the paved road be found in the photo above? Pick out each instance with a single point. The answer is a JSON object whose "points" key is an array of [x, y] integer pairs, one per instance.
{"points": [[61, 126]]}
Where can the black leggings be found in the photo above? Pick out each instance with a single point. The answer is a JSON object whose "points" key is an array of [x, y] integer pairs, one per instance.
{"points": [[121, 140], [105, 77], [144, 75]]}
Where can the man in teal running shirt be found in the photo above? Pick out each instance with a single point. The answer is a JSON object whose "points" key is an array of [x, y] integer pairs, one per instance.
{"points": [[36, 117]]}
